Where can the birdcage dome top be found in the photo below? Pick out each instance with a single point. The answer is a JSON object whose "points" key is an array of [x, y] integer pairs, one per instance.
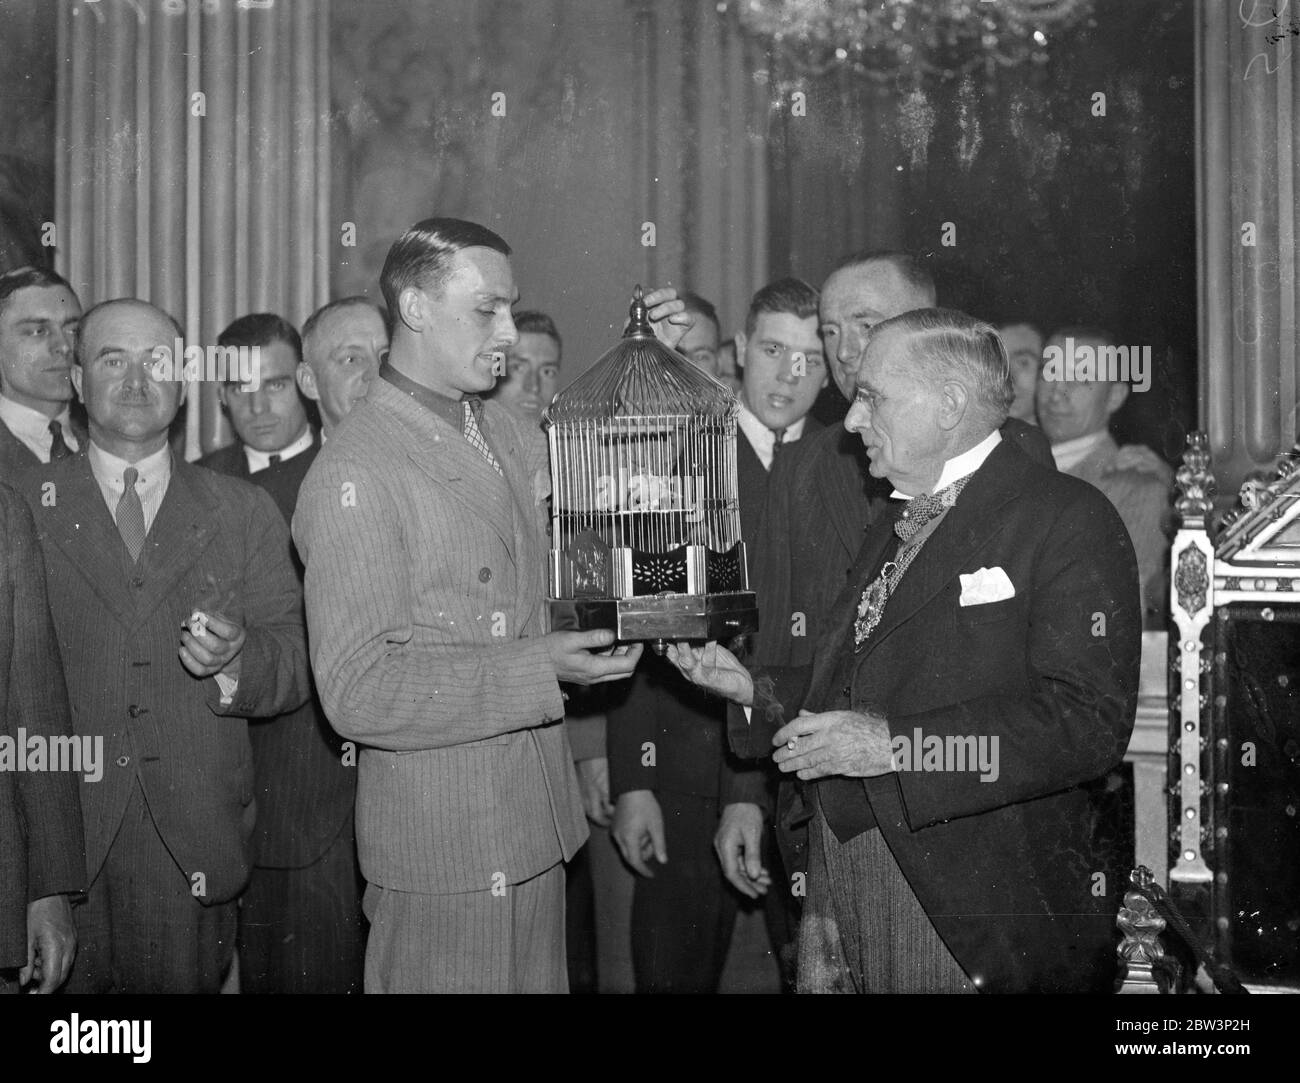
{"points": [[640, 377]]}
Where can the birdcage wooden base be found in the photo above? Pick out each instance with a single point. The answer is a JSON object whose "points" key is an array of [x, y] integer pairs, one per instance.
{"points": [[677, 616]]}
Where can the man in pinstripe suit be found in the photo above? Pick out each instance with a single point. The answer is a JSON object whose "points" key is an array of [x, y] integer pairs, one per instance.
{"points": [[422, 524], [135, 543]]}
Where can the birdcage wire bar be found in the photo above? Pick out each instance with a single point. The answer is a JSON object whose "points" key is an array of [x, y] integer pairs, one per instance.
{"points": [[645, 518]]}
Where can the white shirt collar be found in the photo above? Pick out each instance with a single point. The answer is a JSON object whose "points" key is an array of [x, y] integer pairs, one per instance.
{"points": [[260, 460], [761, 438], [1071, 453], [33, 428], [958, 467], [153, 470]]}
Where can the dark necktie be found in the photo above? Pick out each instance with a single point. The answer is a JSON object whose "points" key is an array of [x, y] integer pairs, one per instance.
{"points": [[778, 441], [58, 446], [469, 427], [273, 459], [130, 514], [914, 518]]}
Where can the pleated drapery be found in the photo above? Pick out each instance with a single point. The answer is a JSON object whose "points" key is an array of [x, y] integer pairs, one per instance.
{"points": [[192, 164], [1248, 102], [700, 152]]}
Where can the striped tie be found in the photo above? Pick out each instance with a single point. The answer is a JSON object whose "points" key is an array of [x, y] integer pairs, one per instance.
{"points": [[475, 435], [130, 514]]}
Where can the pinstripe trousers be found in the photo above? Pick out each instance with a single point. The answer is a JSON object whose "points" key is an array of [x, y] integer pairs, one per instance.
{"points": [[863, 929], [141, 930], [508, 941]]}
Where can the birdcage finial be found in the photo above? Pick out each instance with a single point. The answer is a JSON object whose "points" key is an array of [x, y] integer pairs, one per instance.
{"points": [[638, 316]]}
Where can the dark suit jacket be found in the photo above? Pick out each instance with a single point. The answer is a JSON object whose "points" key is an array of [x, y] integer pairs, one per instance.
{"points": [[687, 727], [217, 544], [41, 849], [821, 501], [1004, 868], [16, 457], [305, 792]]}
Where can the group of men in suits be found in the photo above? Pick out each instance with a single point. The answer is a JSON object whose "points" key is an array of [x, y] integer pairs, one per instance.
{"points": [[225, 816], [174, 616]]}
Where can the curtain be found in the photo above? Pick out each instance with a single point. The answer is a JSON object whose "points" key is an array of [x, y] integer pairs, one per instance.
{"points": [[192, 164]]}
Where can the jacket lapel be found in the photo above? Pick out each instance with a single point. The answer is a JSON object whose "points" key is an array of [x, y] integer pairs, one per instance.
{"points": [[80, 525], [15, 450], [184, 527], [966, 528], [524, 551], [447, 458], [841, 488], [844, 612], [751, 487]]}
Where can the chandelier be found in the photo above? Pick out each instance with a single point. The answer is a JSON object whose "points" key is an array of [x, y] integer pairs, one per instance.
{"points": [[913, 41]]}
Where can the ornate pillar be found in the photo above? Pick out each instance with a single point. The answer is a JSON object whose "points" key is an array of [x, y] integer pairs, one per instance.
{"points": [[1248, 86], [192, 164]]}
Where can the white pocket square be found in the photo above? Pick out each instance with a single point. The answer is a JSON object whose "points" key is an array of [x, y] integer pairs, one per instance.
{"points": [[986, 585]]}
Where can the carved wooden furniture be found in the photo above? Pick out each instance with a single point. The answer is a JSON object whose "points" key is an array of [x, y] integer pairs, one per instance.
{"points": [[1234, 767]]}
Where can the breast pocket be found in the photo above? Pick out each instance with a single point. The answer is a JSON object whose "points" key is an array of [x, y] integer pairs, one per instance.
{"points": [[990, 612]]}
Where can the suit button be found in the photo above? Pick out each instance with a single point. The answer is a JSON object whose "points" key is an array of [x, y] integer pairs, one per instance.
{"points": [[137, 582], [846, 691], [136, 711], [484, 575], [122, 761]]}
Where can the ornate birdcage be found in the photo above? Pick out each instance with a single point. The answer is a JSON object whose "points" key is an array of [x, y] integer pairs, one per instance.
{"points": [[645, 523]]}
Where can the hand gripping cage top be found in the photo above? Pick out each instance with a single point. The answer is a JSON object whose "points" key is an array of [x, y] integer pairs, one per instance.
{"points": [[645, 520]]}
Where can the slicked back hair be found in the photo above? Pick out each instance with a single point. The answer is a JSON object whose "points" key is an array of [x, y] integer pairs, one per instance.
{"points": [[945, 344], [22, 278], [538, 323], [86, 317], [261, 329], [421, 257], [908, 267], [792, 295]]}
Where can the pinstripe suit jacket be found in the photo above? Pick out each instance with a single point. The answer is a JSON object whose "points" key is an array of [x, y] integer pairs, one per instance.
{"points": [[218, 544], [425, 586], [41, 850]]}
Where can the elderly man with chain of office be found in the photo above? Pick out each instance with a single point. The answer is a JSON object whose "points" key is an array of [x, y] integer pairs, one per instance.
{"points": [[996, 609]]}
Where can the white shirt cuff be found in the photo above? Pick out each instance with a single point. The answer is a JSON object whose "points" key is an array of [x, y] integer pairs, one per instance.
{"points": [[227, 685]]}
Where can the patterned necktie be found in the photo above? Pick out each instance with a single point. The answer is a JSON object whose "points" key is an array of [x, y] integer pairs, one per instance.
{"points": [[130, 514], [475, 435], [58, 446], [918, 513]]}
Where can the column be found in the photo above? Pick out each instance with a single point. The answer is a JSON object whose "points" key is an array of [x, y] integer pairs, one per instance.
{"points": [[1247, 92]]}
